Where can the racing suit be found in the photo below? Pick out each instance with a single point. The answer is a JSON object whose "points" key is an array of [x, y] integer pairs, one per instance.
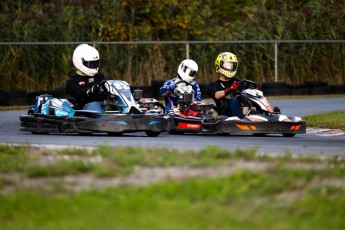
{"points": [[228, 105], [168, 92], [78, 85]]}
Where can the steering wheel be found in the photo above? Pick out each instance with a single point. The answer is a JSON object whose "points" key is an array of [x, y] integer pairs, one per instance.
{"points": [[178, 90], [247, 84]]}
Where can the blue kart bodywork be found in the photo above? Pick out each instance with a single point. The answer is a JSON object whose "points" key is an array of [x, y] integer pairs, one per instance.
{"points": [[122, 114]]}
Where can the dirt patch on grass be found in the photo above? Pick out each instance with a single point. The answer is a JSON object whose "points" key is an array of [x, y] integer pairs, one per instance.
{"points": [[142, 176]]}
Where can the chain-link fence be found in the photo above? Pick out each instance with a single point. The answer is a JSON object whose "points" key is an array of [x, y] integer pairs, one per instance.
{"points": [[37, 66]]}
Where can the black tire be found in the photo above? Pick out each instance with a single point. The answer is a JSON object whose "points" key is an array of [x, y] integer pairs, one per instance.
{"points": [[223, 134], [39, 133], [289, 134], [115, 134], [175, 132], [152, 133], [3, 98], [275, 88], [259, 134], [28, 118], [85, 134], [28, 124], [156, 85]]}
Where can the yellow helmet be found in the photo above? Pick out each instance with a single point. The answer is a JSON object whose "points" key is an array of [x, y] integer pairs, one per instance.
{"points": [[226, 64]]}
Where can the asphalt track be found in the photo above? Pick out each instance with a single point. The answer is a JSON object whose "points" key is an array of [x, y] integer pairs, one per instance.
{"points": [[312, 143]]}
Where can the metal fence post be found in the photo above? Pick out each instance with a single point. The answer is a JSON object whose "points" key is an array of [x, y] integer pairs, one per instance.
{"points": [[187, 50], [276, 61]]}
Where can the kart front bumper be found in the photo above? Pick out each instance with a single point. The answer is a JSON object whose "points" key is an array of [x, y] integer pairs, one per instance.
{"points": [[38, 123], [236, 127], [241, 127]]}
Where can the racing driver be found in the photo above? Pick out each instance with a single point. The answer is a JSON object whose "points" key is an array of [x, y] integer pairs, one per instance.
{"points": [[186, 71], [221, 90], [84, 86]]}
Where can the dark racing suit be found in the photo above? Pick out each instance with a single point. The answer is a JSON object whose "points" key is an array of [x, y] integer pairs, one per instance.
{"points": [[225, 106], [77, 86]]}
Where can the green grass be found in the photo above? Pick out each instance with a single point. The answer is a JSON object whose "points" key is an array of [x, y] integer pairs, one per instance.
{"points": [[332, 120], [275, 199], [14, 107], [107, 161], [289, 193], [305, 96]]}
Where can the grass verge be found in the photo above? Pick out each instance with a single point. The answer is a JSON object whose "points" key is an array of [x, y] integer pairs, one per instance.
{"points": [[331, 120], [237, 190]]}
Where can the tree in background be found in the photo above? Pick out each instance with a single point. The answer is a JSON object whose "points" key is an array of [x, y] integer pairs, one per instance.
{"points": [[38, 67]]}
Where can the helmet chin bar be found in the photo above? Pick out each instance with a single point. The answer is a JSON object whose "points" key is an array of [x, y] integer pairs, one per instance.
{"points": [[80, 73], [91, 73], [227, 73]]}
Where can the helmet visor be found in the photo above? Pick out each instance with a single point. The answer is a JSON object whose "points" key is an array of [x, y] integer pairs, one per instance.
{"points": [[229, 66], [189, 71], [91, 64]]}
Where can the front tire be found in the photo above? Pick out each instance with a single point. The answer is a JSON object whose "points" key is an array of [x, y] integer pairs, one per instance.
{"points": [[175, 132], [152, 133], [85, 134], [289, 134], [223, 134], [115, 134], [39, 133], [259, 134]]}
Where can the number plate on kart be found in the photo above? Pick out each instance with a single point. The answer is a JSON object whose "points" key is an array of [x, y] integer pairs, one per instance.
{"points": [[183, 125]]}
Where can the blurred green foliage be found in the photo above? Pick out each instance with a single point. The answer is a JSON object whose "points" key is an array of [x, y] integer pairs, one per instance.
{"points": [[282, 192], [46, 67]]}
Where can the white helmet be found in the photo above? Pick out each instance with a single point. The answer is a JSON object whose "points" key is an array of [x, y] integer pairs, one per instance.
{"points": [[187, 70], [86, 59]]}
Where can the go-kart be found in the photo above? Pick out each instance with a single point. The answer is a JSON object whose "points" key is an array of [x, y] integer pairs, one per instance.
{"points": [[188, 115], [123, 113], [259, 117]]}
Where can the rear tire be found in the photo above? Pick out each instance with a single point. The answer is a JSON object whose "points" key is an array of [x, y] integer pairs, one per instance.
{"points": [[223, 134], [39, 133], [173, 131], [85, 134], [152, 133], [289, 134], [115, 134], [259, 134]]}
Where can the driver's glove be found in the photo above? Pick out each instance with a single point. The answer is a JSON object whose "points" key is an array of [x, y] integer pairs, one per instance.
{"points": [[172, 86], [232, 88], [93, 90], [103, 87]]}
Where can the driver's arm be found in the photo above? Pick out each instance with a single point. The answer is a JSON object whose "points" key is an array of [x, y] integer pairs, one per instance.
{"points": [[166, 88], [219, 94], [222, 93], [197, 92], [75, 90], [214, 91]]}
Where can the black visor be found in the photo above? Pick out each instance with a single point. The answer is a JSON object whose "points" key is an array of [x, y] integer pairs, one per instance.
{"points": [[91, 64], [189, 71], [192, 73]]}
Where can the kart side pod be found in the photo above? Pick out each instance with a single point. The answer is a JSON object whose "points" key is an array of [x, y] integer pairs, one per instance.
{"points": [[40, 100]]}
